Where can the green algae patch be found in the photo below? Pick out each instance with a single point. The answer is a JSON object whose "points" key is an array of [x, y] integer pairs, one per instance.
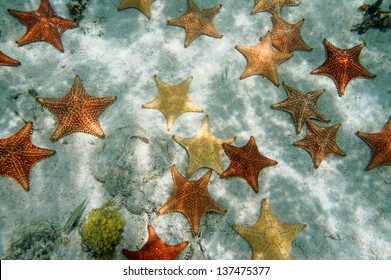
{"points": [[102, 231]]}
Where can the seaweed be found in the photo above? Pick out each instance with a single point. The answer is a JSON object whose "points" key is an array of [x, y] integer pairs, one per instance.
{"points": [[75, 215], [76, 9], [374, 17]]}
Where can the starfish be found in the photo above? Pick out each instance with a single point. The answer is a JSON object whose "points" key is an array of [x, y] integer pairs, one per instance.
{"points": [[342, 65], [191, 198], [155, 249], [77, 111], [43, 25], [272, 6], [143, 5], [246, 162], [302, 106], [286, 37], [320, 142], [204, 149], [380, 144], [197, 22], [5, 60], [270, 239], [263, 59], [18, 155], [172, 100]]}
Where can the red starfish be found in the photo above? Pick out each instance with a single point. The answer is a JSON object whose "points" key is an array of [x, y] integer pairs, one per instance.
{"points": [[155, 249], [320, 142], [5, 60], [191, 198], [18, 155], [380, 144], [342, 65], [77, 111], [246, 162], [43, 25]]}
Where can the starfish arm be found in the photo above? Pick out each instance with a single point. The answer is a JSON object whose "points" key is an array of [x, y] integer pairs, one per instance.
{"points": [[300, 43], [57, 106], [5, 60], [20, 173], [314, 95], [45, 7], [210, 30], [290, 231], [380, 159], [31, 18], [192, 7], [357, 70], [52, 35], [211, 12], [142, 5], [380, 144], [94, 106]]}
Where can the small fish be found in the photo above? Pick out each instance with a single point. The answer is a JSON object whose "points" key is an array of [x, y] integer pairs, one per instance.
{"points": [[141, 138], [74, 216]]}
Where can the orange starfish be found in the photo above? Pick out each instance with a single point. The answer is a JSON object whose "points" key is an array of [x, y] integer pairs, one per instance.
{"points": [[77, 111], [18, 155], [302, 106], [197, 22], [320, 142], [43, 25], [272, 6], [263, 59], [246, 162], [286, 37], [5, 60], [380, 144], [191, 198], [342, 65], [155, 249]]}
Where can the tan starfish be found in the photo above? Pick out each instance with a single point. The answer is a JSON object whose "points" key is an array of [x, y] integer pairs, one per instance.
{"points": [[143, 5], [204, 149], [269, 238], [380, 144], [272, 6], [77, 111], [320, 142], [172, 100], [197, 22], [191, 198], [246, 162], [342, 65], [18, 155], [5, 60], [155, 249], [287, 37], [43, 25], [263, 59], [302, 106]]}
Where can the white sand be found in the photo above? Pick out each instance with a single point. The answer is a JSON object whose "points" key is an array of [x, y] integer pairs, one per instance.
{"points": [[346, 208]]}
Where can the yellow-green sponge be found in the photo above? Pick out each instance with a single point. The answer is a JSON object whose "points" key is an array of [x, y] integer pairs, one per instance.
{"points": [[102, 231]]}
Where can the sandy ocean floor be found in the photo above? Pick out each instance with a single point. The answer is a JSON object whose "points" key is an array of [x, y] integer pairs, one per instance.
{"points": [[347, 209]]}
